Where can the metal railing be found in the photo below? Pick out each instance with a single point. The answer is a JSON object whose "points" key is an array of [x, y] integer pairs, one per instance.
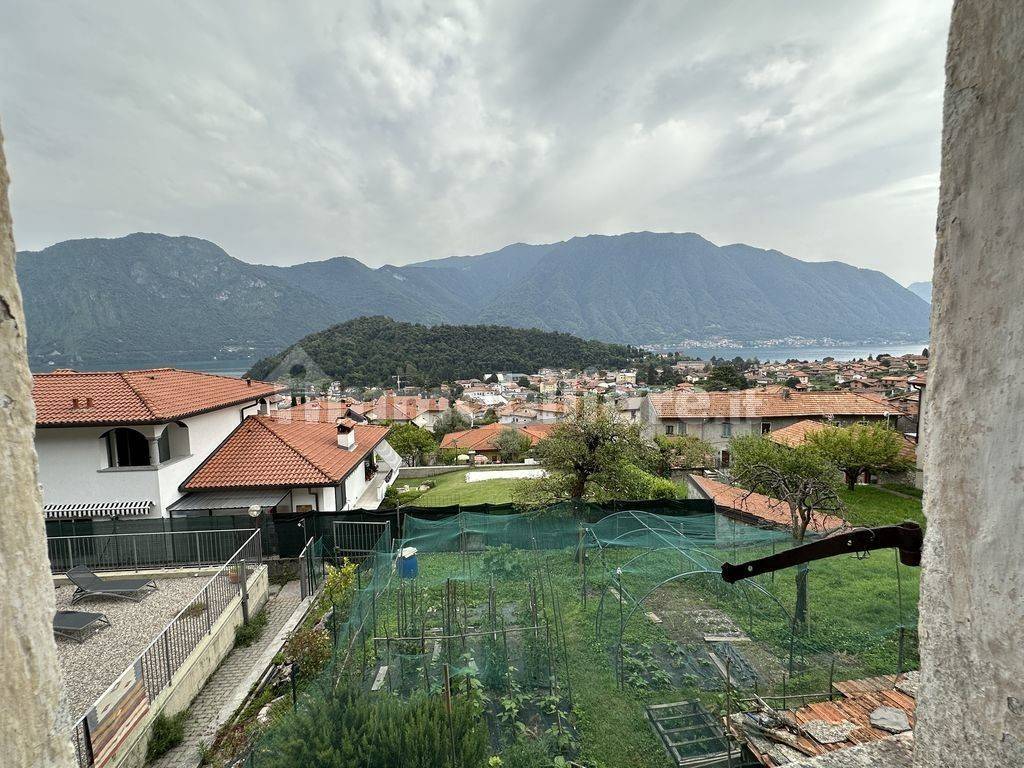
{"points": [[135, 551], [169, 650], [358, 539], [312, 570]]}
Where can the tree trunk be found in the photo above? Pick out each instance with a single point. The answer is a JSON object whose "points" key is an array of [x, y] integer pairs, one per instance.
{"points": [[851, 477], [800, 611]]}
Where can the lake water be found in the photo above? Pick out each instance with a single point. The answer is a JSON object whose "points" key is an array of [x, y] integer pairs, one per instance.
{"points": [[781, 354], [224, 366]]}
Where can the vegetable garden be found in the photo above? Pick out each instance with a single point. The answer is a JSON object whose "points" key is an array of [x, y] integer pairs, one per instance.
{"points": [[513, 640]]}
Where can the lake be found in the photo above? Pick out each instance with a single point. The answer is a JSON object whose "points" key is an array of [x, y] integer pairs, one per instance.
{"points": [[781, 354]]}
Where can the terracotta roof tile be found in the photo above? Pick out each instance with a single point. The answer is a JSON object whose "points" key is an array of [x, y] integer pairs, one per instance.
{"points": [[150, 396], [265, 452], [796, 434], [482, 438], [756, 403], [759, 507]]}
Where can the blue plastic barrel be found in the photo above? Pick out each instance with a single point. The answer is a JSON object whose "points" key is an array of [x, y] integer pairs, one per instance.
{"points": [[408, 566]]}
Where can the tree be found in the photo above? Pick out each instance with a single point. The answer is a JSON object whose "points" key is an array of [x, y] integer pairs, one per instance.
{"points": [[452, 420], [412, 443], [512, 444], [725, 377], [860, 448], [682, 452], [792, 382], [802, 478], [589, 456]]}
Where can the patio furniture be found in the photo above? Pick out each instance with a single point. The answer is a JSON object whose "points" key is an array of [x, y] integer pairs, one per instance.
{"points": [[74, 624], [88, 584]]}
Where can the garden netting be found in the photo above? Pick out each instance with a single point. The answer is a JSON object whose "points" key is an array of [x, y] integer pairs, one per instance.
{"points": [[500, 604]]}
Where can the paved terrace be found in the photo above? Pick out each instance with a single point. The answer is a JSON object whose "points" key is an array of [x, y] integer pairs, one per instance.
{"points": [[88, 668]]}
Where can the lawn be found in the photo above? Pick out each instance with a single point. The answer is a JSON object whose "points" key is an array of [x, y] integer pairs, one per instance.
{"points": [[869, 505], [452, 488]]}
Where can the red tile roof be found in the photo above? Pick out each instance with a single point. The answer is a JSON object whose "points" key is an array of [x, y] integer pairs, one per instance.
{"points": [[796, 434], [757, 403], [152, 396], [760, 508], [265, 452], [860, 699], [482, 438]]}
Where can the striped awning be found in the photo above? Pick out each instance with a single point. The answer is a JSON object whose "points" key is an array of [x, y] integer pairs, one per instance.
{"points": [[207, 501], [97, 509]]}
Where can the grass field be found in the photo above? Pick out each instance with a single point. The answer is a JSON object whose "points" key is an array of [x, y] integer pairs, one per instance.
{"points": [[868, 505], [452, 488]]}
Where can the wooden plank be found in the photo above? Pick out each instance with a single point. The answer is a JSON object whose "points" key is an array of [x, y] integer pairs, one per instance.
{"points": [[379, 680]]}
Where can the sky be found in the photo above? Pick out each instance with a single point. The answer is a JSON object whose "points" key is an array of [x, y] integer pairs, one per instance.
{"points": [[398, 132]]}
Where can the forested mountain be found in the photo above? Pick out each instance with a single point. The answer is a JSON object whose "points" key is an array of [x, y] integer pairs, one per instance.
{"points": [[369, 351], [153, 297], [149, 296]]}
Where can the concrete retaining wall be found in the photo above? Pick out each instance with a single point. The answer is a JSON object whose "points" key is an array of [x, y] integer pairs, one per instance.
{"points": [[410, 473], [191, 676]]}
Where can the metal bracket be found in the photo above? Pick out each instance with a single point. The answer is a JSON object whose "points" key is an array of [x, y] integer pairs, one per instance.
{"points": [[907, 537]]}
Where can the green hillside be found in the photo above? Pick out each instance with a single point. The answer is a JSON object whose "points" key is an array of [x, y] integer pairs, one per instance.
{"points": [[368, 351]]}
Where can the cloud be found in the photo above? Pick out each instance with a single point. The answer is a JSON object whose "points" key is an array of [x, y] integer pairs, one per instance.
{"points": [[400, 131], [773, 74]]}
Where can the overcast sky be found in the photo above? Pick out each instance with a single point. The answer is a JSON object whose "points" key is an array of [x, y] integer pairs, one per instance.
{"points": [[294, 131]]}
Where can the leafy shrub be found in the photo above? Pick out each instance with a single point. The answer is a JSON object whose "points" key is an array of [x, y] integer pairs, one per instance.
{"points": [[168, 732], [247, 634], [350, 727], [340, 583], [504, 562], [310, 648]]}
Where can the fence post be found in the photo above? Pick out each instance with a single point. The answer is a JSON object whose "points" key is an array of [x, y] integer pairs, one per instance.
{"points": [[71, 556], [199, 559], [206, 601], [167, 655], [243, 578]]}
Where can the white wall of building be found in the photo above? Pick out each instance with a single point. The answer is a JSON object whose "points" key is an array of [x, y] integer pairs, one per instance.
{"points": [[73, 460]]}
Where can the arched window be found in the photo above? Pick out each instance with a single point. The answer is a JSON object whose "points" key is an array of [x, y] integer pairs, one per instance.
{"points": [[126, 448]]}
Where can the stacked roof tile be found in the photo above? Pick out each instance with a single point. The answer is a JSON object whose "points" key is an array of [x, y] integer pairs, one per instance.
{"points": [[154, 396], [757, 403], [265, 452]]}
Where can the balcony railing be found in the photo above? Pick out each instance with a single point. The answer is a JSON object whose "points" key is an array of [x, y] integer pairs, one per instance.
{"points": [[139, 551]]}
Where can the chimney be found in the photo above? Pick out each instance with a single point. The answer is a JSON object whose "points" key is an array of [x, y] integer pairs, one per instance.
{"points": [[75, 404], [346, 434], [785, 393], [248, 381], [88, 402], [264, 406]]}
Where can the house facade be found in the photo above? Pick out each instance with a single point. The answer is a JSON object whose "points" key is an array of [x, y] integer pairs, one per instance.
{"points": [[717, 417], [294, 466], [116, 444]]}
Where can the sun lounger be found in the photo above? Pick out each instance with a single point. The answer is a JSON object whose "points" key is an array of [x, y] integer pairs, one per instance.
{"points": [[74, 624], [90, 585]]}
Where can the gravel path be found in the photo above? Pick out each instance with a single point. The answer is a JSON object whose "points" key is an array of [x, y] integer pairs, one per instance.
{"points": [[89, 668]]}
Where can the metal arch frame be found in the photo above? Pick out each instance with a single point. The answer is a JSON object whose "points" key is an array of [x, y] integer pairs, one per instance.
{"points": [[670, 546]]}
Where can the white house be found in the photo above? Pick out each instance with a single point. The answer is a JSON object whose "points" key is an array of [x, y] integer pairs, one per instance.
{"points": [[294, 466], [114, 444]]}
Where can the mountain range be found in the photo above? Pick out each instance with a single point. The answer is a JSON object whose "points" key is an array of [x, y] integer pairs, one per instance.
{"points": [[924, 290], [152, 296]]}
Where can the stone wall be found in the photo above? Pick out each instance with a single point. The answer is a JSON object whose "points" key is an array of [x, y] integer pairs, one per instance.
{"points": [[971, 703], [30, 689]]}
